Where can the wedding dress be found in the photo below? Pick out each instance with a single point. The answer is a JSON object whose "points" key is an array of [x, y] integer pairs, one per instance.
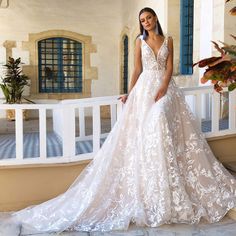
{"points": [[154, 168]]}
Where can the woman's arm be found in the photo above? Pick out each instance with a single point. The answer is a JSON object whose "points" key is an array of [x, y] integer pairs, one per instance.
{"points": [[168, 72], [137, 68]]}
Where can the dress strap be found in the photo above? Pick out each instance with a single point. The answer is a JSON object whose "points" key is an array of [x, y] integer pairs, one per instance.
{"points": [[140, 36], [167, 37]]}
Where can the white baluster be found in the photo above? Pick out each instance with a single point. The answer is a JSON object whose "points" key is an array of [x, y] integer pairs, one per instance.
{"points": [[42, 134], [215, 112], [68, 138], [96, 128], [119, 109], [19, 134], [232, 110], [113, 114], [81, 122], [198, 108]]}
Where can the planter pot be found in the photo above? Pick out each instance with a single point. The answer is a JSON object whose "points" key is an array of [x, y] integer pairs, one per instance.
{"points": [[10, 113]]}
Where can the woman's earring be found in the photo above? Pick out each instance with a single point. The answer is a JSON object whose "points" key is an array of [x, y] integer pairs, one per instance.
{"points": [[144, 34], [156, 30]]}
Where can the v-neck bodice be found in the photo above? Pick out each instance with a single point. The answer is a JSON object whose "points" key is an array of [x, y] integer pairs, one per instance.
{"points": [[155, 54], [152, 61]]}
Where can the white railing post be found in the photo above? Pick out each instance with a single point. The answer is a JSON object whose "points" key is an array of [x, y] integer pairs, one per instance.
{"points": [[19, 134], [81, 122], [42, 134], [232, 110], [113, 114], [57, 121], [215, 112], [119, 109], [198, 108], [68, 131], [96, 128]]}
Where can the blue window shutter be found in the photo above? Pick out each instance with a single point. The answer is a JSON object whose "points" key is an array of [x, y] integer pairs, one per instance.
{"points": [[60, 65], [186, 36]]}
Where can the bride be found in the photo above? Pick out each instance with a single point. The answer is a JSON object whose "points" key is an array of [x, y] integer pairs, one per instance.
{"points": [[155, 166]]}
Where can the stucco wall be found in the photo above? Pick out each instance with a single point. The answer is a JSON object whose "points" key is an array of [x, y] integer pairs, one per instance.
{"points": [[99, 19], [230, 23]]}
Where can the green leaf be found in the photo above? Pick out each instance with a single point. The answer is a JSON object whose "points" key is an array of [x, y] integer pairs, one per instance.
{"points": [[232, 87], [6, 92]]}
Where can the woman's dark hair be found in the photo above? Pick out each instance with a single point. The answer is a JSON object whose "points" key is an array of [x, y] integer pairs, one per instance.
{"points": [[148, 9]]}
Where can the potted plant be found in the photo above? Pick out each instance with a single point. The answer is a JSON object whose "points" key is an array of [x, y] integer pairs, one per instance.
{"points": [[221, 71], [13, 84]]}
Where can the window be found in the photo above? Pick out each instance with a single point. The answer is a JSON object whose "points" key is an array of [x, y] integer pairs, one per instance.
{"points": [[60, 65], [125, 65], [186, 38]]}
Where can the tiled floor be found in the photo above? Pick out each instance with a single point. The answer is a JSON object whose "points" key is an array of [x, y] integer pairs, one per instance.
{"points": [[53, 141]]}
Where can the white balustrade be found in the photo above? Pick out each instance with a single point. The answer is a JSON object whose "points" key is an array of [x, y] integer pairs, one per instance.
{"points": [[64, 123]]}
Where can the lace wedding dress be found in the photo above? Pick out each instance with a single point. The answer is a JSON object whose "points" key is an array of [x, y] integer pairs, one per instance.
{"points": [[155, 167]]}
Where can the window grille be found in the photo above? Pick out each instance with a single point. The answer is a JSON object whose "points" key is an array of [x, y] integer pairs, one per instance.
{"points": [[60, 65], [186, 31]]}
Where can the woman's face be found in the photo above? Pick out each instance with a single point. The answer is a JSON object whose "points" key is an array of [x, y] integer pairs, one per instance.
{"points": [[148, 20]]}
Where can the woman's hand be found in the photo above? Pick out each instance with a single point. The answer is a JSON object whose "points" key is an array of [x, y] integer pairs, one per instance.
{"points": [[161, 92], [123, 98]]}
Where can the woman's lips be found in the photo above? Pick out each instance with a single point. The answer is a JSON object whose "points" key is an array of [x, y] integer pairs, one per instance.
{"points": [[147, 26]]}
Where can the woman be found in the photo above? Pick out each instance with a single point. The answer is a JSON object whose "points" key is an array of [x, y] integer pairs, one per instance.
{"points": [[155, 166]]}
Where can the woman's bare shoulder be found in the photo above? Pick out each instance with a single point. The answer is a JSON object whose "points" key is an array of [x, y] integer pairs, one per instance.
{"points": [[138, 41]]}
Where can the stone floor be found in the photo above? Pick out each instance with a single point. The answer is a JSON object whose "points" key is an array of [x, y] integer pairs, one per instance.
{"points": [[226, 227]]}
